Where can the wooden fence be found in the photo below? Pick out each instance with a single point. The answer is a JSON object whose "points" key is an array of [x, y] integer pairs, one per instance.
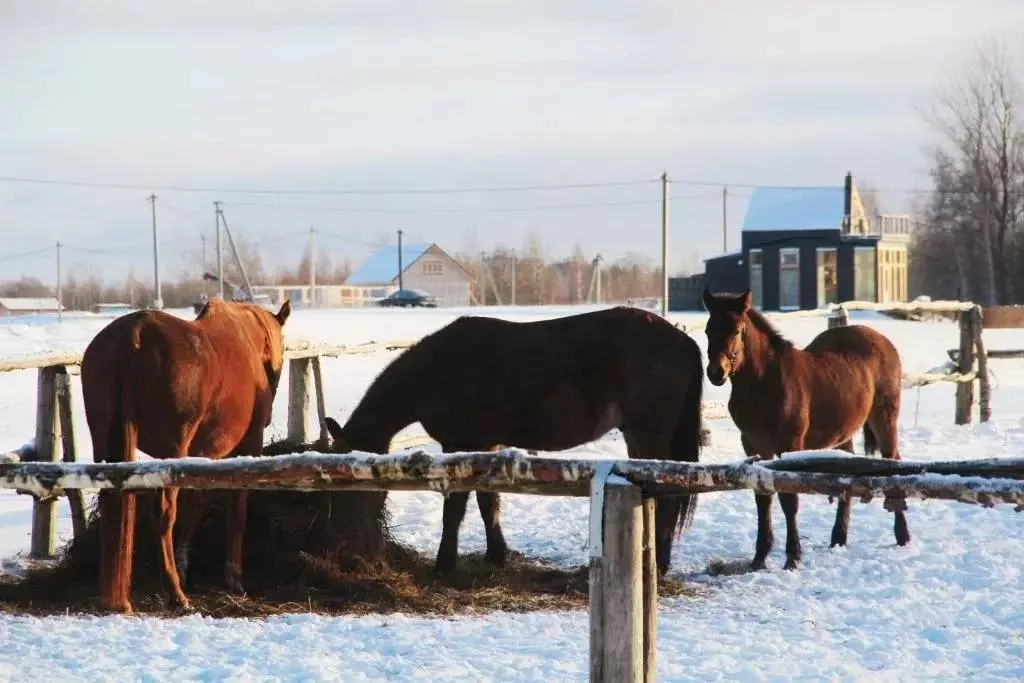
{"points": [[55, 432], [623, 578]]}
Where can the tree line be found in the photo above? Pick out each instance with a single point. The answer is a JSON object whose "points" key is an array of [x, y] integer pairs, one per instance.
{"points": [[539, 277]]}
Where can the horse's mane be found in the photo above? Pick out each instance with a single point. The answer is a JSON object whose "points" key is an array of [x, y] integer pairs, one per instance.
{"points": [[762, 325]]}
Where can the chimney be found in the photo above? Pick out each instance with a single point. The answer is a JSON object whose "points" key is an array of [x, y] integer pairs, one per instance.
{"points": [[848, 202]]}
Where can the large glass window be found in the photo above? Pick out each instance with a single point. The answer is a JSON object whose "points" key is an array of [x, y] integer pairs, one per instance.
{"points": [[756, 275], [827, 264], [789, 279], [865, 274]]}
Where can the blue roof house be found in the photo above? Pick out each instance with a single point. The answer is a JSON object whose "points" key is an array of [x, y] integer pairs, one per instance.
{"points": [[805, 248], [424, 266]]}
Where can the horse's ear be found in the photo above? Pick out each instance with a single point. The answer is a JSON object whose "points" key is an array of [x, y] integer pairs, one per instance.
{"points": [[746, 300], [286, 310], [334, 429], [709, 299]]}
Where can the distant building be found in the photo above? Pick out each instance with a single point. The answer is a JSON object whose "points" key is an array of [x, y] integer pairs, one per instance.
{"points": [[24, 306], [807, 248], [426, 267]]}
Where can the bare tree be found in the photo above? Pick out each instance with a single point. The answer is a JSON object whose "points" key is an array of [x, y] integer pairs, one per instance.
{"points": [[980, 163]]}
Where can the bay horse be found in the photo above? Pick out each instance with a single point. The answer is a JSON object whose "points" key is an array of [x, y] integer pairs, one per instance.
{"points": [[787, 399], [176, 388], [479, 383]]}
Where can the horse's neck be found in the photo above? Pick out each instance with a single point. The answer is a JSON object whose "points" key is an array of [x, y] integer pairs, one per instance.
{"points": [[761, 357], [376, 420]]}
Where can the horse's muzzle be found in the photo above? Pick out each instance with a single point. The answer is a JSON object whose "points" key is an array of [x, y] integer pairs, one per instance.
{"points": [[716, 375]]}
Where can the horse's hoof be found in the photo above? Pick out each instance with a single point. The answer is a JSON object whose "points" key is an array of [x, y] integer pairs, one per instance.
{"points": [[757, 565], [499, 558], [792, 565], [179, 608], [838, 540], [234, 584]]}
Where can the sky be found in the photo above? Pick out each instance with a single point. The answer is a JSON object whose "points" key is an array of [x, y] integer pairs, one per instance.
{"points": [[364, 102]]}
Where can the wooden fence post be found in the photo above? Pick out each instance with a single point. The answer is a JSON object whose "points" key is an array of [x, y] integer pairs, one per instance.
{"points": [[984, 383], [838, 318], [965, 390], [44, 527], [67, 431], [299, 376], [321, 408], [650, 580], [616, 582]]}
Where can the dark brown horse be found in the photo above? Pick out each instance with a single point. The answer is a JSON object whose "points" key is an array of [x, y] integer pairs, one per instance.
{"points": [[786, 399], [551, 385], [176, 388]]}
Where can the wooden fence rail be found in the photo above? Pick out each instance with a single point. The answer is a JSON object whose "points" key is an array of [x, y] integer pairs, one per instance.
{"points": [[623, 580]]}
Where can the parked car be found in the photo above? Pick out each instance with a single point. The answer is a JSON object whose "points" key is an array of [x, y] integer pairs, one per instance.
{"points": [[409, 297]]}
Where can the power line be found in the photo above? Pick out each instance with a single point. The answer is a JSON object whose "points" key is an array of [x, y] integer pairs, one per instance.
{"points": [[226, 190], [25, 254]]}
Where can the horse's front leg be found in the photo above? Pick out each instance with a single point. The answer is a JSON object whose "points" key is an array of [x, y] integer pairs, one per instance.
{"points": [[790, 507], [844, 505], [765, 535], [490, 513]]}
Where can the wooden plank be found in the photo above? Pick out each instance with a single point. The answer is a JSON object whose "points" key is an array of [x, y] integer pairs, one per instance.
{"points": [[596, 576], [299, 376], [44, 519], [985, 482], [965, 390], [649, 569], [76, 498]]}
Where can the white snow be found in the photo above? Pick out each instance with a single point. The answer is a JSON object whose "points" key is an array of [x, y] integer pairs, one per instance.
{"points": [[948, 606]]}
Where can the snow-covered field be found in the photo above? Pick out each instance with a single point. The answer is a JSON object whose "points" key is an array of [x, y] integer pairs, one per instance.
{"points": [[948, 607]]}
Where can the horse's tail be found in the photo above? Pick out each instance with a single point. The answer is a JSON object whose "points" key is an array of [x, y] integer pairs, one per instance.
{"points": [[117, 508], [690, 436], [870, 441]]}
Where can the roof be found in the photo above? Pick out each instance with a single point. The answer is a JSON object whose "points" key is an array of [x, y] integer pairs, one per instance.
{"points": [[382, 266], [773, 208], [29, 304], [729, 254]]}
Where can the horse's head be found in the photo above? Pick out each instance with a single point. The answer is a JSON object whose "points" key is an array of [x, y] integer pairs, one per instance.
{"points": [[271, 341], [726, 323]]}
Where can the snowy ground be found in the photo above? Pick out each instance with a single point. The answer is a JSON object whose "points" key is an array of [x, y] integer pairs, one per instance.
{"points": [[947, 607]]}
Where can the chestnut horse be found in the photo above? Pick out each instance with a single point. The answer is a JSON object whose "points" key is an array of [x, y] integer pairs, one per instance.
{"points": [[176, 388], [786, 399], [549, 385]]}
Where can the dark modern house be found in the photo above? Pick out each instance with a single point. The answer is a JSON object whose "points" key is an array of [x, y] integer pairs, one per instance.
{"points": [[805, 248]]}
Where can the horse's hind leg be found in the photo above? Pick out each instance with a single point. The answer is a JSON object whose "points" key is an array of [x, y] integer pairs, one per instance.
{"points": [[490, 513], [881, 429], [765, 535], [190, 510], [168, 513], [843, 509]]}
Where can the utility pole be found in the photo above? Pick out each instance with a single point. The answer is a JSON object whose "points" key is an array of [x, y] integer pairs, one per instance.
{"points": [[664, 244], [401, 284], [725, 222], [514, 277], [202, 268], [312, 268], [158, 301], [60, 297], [220, 258]]}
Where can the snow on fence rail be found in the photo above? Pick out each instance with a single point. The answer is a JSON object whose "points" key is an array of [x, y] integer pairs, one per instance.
{"points": [[623, 579]]}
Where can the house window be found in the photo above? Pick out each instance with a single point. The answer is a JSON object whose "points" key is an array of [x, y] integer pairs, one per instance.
{"points": [[754, 261], [827, 262], [789, 279], [865, 274], [433, 268]]}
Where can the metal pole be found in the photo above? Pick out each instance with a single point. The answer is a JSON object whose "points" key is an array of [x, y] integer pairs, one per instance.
{"points": [[400, 267], [60, 297], [312, 268], [220, 258], [725, 223], [202, 270], [158, 300], [664, 244]]}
